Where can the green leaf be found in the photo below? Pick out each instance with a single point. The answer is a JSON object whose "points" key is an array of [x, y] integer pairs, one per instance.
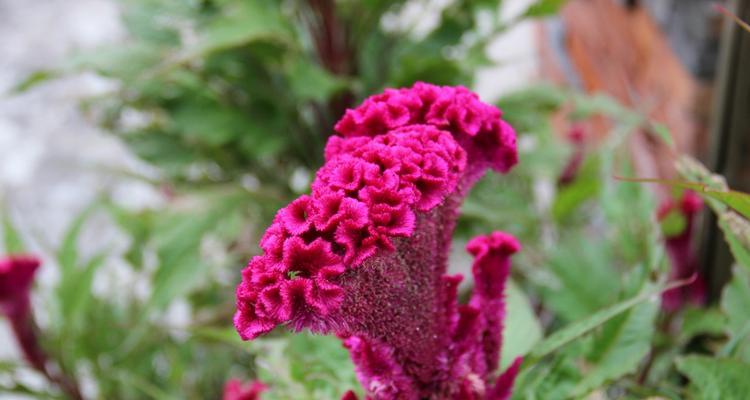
{"points": [[522, 329], [716, 378], [586, 106], [67, 254], [33, 79], [209, 122], [735, 303], [75, 290], [543, 8], [701, 321], [619, 348], [673, 224], [585, 186], [575, 298], [11, 237], [240, 25], [586, 325], [311, 82], [178, 242], [304, 366], [737, 235], [737, 201], [662, 132], [126, 61]]}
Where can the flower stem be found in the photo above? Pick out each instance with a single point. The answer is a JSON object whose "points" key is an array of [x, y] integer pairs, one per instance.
{"points": [[25, 331]]}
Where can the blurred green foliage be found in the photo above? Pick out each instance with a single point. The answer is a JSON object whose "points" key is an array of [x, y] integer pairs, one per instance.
{"points": [[231, 101]]}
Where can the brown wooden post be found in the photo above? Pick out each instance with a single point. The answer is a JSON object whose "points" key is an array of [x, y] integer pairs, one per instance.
{"points": [[730, 137]]}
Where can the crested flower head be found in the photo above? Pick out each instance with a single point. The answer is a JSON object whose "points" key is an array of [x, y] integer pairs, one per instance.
{"points": [[234, 389], [364, 255], [16, 277]]}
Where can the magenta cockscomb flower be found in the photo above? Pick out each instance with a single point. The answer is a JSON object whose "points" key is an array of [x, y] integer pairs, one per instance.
{"points": [[681, 251], [235, 389], [16, 277], [364, 256]]}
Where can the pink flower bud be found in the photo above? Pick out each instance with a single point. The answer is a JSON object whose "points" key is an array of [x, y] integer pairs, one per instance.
{"points": [[234, 389], [16, 277], [682, 255]]}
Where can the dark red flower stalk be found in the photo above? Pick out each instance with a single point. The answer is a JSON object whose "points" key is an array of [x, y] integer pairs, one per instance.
{"points": [[234, 389], [16, 278], [681, 253], [365, 255], [577, 138]]}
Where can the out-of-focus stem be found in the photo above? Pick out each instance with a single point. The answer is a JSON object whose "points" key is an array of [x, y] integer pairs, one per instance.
{"points": [[25, 332]]}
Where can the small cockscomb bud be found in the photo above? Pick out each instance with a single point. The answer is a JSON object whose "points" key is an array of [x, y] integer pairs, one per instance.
{"points": [[235, 389], [577, 139], [364, 255], [16, 277], [681, 251]]}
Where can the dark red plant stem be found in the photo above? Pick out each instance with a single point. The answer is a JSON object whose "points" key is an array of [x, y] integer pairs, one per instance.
{"points": [[25, 332], [23, 329], [331, 37]]}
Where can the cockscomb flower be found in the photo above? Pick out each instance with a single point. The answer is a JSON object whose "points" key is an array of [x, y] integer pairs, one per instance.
{"points": [[364, 255], [235, 389], [16, 277], [680, 248]]}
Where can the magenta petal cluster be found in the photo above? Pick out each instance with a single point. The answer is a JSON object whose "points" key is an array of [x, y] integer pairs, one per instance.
{"points": [[682, 254], [364, 255], [235, 389], [16, 277]]}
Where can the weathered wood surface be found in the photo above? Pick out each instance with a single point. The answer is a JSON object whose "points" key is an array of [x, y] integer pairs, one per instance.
{"points": [[623, 52]]}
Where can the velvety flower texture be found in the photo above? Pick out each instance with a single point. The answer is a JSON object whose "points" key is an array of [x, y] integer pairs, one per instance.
{"points": [[682, 256], [234, 389], [365, 255]]}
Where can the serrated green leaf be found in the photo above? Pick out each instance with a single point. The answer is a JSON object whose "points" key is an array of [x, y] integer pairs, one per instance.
{"points": [[735, 303], [715, 378], [586, 325], [619, 348], [701, 321], [574, 298], [733, 227]]}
